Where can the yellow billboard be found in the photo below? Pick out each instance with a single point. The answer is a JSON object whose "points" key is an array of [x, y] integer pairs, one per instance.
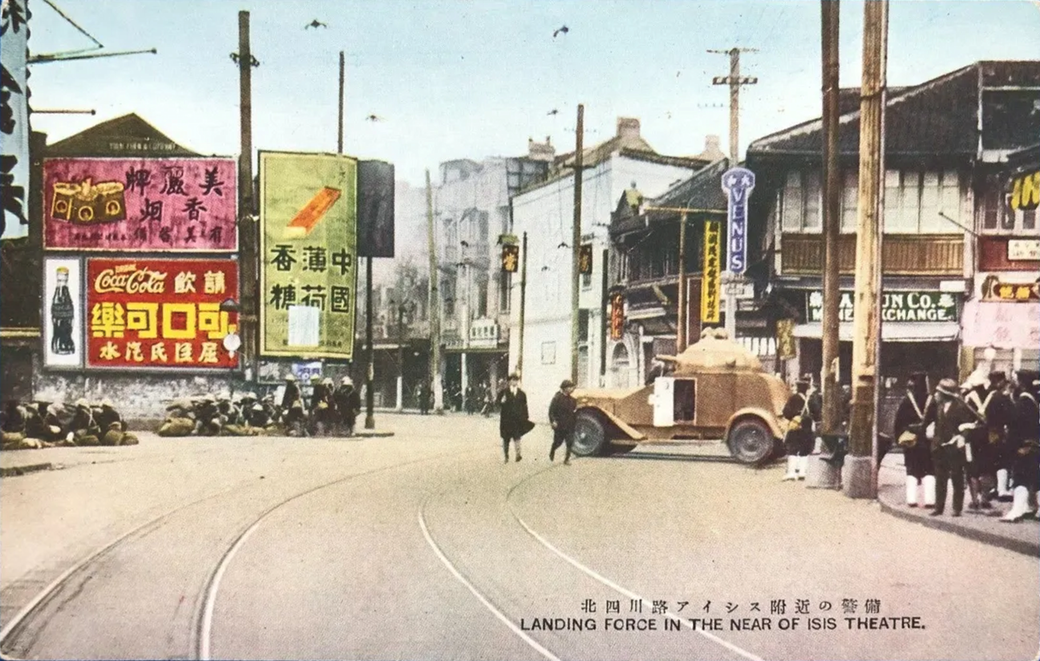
{"points": [[308, 254]]}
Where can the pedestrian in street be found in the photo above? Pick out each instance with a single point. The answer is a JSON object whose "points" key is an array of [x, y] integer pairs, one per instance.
{"points": [[424, 398], [348, 404], [562, 414], [802, 411], [513, 422], [1024, 444], [979, 463], [945, 423], [908, 431]]}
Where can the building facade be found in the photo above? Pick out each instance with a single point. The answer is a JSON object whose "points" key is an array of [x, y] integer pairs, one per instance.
{"points": [[545, 212], [945, 140]]}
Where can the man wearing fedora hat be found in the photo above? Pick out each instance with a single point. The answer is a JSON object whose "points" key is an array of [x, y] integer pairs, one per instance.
{"points": [[561, 416], [513, 421], [946, 422]]}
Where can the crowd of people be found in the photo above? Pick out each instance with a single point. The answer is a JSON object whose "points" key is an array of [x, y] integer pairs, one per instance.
{"points": [[33, 425], [982, 435], [329, 409]]}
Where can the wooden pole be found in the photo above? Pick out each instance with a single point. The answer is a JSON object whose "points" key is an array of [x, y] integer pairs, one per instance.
{"points": [[339, 124], [868, 236], [247, 229], [435, 305], [523, 304], [576, 243], [680, 334], [831, 216]]}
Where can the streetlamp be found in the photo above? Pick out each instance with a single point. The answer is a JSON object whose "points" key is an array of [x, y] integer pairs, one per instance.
{"points": [[232, 341]]}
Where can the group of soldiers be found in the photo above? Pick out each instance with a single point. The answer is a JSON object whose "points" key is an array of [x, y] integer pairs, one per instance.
{"points": [[51, 424], [983, 434], [330, 410]]}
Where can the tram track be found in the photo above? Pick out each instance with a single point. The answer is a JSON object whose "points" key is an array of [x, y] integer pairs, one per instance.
{"points": [[20, 628]]}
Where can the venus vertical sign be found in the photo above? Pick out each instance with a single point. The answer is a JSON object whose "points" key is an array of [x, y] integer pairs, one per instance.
{"points": [[738, 184]]}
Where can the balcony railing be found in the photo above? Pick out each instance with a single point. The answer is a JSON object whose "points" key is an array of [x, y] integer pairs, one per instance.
{"points": [[918, 254]]}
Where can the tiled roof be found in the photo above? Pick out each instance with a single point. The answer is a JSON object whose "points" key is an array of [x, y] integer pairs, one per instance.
{"points": [[701, 191], [129, 126], [938, 116]]}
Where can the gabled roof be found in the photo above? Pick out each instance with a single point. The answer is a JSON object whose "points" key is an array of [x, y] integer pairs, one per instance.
{"points": [[105, 139], [701, 193], [940, 116], [600, 152]]}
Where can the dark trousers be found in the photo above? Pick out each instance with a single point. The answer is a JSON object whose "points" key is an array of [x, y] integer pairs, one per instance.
{"points": [[949, 465], [561, 437]]}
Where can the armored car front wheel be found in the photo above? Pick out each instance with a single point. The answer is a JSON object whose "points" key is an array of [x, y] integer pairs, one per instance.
{"points": [[590, 435], [750, 441]]}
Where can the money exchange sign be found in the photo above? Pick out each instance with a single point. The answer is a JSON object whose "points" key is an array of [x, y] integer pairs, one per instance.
{"points": [[156, 313], [143, 204], [308, 215], [710, 283]]}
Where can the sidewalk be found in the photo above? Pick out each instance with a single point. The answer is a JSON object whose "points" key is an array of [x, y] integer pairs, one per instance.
{"points": [[983, 525]]}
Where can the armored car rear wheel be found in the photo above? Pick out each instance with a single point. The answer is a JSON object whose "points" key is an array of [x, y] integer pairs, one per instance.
{"points": [[750, 441], [590, 435]]}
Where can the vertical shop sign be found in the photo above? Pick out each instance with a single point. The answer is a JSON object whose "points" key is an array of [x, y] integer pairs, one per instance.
{"points": [[710, 282], [62, 312], [14, 124], [308, 215], [160, 313], [738, 184]]}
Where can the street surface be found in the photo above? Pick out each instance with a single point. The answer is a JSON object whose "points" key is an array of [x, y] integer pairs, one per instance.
{"points": [[425, 545]]}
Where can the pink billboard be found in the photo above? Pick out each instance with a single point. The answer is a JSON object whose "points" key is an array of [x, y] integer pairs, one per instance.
{"points": [[144, 204]]}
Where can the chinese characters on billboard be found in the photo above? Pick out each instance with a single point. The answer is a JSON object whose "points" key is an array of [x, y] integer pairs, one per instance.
{"points": [[156, 313], [308, 215], [142, 204], [710, 285]]}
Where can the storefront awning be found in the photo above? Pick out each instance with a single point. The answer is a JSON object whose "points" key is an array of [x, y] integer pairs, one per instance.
{"points": [[892, 332]]}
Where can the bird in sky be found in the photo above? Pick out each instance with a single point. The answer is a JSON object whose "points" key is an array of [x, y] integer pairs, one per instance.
{"points": [[560, 30], [464, 243], [373, 118], [563, 244], [554, 111], [315, 24]]}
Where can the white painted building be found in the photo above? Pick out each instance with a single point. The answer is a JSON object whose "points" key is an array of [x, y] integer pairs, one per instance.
{"points": [[545, 213]]}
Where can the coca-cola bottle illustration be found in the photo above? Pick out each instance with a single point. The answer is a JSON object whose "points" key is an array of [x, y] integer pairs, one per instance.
{"points": [[62, 314]]}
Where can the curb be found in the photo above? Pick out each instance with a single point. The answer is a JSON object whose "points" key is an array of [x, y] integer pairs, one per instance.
{"points": [[13, 471], [1030, 548]]}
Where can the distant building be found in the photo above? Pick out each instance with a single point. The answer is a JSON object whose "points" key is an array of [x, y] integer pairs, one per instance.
{"points": [[545, 212]]}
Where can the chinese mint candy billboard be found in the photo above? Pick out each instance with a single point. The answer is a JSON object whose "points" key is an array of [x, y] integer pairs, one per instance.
{"points": [[155, 313], [308, 217], [140, 204]]}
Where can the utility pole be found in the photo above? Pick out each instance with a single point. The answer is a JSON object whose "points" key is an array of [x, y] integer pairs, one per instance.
{"points": [[734, 80], [247, 229], [400, 351], [523, 303], [339, 124], [859, 479], [680, 327], [576, 243], [603, 314], [831, 215], [435, 306]]}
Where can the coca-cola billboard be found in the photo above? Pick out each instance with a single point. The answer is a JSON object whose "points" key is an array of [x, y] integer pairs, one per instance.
{"points": [[160, 313]]}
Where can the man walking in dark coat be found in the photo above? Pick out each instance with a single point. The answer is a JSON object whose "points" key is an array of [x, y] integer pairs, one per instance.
{"points": [[1024, 444], [946, 422], [348, 404], [802, 411], [513, 422], [561, 417]]}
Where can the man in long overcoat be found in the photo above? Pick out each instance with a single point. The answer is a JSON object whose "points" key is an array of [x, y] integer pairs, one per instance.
{"points": [[513, 423]]}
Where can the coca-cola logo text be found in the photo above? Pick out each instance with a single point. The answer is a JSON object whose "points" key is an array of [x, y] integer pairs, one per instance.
{"points": [[139, 281]]}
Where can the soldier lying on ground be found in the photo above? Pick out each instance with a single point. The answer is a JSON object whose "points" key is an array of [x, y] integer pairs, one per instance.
{"points": [[180, 419], [85, 430], [113, 426]]}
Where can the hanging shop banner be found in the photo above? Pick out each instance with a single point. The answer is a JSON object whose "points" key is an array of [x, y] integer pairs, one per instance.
{"points": [[711, 281], [617, 315], [141, 204], [14, 124], [738, 184], [160, 313], [62, 312], [585, 259], [785, 348], [309, 246], [929, 306], [510, 258]]}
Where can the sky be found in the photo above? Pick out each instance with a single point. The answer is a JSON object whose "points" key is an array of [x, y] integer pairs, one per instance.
{"points": [[451, 79]]}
